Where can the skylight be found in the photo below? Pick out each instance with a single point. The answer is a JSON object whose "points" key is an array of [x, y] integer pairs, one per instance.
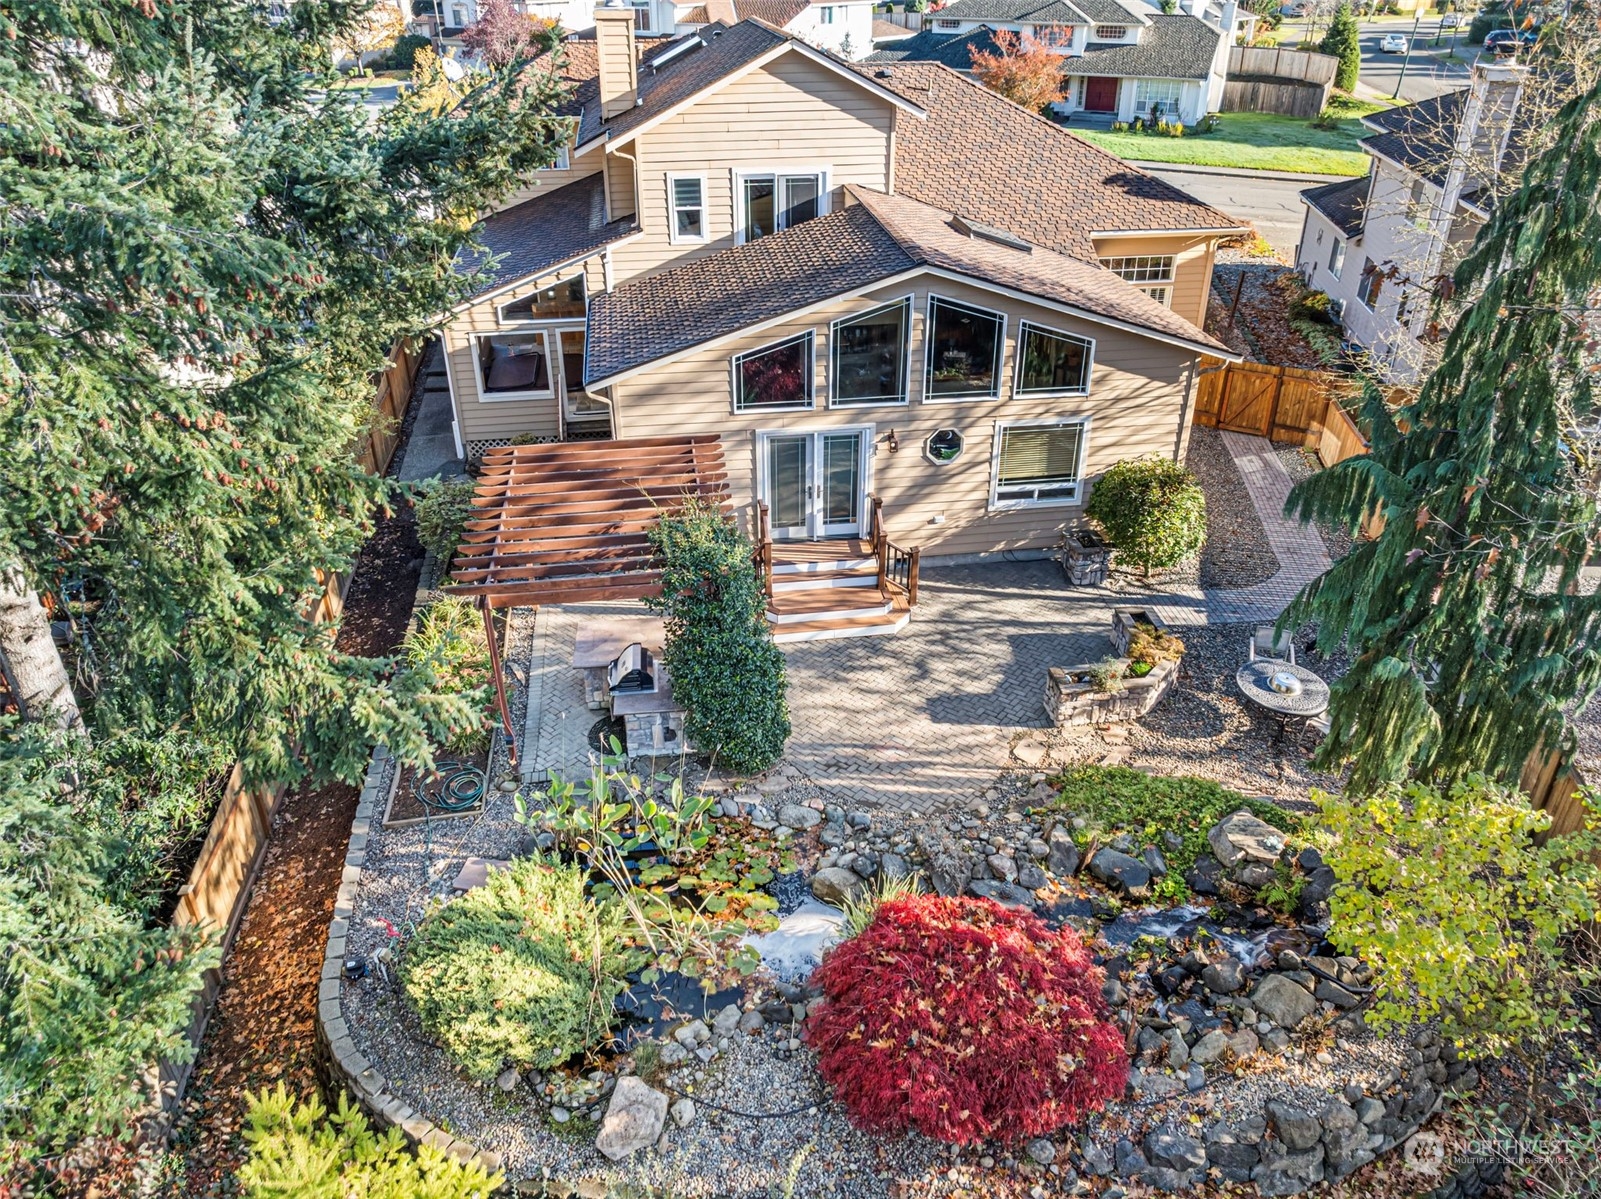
{"points": [[1000, 237]]}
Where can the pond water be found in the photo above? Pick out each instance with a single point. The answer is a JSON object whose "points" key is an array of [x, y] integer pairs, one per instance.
{"points": [[795, 948], [1246, 943], [653, 1010]]}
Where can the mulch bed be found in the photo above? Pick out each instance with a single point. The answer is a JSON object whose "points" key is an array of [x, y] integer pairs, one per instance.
{"points": [[262, 1030], [1261, 326]]}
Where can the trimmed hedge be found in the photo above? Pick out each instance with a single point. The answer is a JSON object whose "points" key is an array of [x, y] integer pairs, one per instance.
{"points": [[1152, 511]]}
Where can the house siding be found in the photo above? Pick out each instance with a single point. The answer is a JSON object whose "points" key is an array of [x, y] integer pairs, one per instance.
{"points": [[792, 112], [1192, 267], [1137, 404]]}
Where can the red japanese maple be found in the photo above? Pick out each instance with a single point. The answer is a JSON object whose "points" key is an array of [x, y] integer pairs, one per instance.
{"points": [[966, 1021]]}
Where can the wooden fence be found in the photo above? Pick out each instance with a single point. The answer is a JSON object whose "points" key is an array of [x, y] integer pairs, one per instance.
{"points": [[1292, 83], [214, 896], [1552, 783]]}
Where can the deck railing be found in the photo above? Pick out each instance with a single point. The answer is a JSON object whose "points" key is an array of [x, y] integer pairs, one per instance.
{"points": [[897, 566], [762, 535]]}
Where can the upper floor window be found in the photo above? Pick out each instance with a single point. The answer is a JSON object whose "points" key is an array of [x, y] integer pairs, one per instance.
{"points": [[775, 376], [1417, 204], [560, 299], [1110, 33], [825, 15], [770, 202], [1057, 37], [563, 161], [686, 203], [1050, 362], [1141, 268], [964, 350], [1337, 257], [947, 23], [869, 356], [1371, 285]]}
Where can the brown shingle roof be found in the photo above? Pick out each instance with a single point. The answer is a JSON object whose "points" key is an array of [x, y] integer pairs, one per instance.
{"points": [[982, 156], [874, 238], [555, 227]]}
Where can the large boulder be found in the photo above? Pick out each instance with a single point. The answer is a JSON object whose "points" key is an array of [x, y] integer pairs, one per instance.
{"points": [[798, 816], [634, 1118], [1282, 1001], [1297, 1128], [1127, 874], [1061, 853], [836, 886], [1168, 1145], [1241, 837], [1291, 1174], [1224, 977], [1008, 895]]}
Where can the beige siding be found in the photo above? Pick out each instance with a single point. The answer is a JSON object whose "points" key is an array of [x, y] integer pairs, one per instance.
{"points": [[1192, 266], [542, 182], [1137, 405], [485, 420], [791, 113], [619, 187]]}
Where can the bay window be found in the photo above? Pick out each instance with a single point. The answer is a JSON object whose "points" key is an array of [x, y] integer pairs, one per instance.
{"points": [[775, 376], [869, 357], [964, 351]]}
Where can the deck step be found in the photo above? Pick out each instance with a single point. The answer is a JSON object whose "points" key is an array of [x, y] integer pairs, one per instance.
{"points": [[828, 629], [823, 580], [827, 603]]}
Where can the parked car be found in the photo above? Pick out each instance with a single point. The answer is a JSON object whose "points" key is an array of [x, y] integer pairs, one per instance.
{"points": [[1451, 20], [1292, 10], [1501, 41], [1394, 43]]}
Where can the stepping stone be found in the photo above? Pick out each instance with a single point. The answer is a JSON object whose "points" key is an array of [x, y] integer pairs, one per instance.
{"points": [[475, 872]]}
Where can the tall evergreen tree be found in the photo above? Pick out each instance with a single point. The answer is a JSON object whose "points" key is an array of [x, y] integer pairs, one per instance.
{"points": [[1471, 633], [1344, 41], [205, 252]]}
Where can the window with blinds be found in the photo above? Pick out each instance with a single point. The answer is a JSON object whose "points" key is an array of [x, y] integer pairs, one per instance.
{"points": [[1039, 464]]}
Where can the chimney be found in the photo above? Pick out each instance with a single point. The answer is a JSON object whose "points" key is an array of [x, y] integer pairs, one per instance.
{"points": [[619, 68]]}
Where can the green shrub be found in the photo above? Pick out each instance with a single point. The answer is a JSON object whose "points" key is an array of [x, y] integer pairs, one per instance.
{"points": [[450, 640], [1311, 306], [522, 970], [302, 1149], [403, 54], [1149, 805], [442, 513], [726, 670], [1344, 41], [1152, 511]]}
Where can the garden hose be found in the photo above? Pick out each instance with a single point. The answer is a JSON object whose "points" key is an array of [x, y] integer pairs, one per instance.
{"points": [[460, 786]]}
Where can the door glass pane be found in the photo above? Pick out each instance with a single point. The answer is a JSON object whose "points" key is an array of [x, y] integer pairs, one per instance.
{"points": [[800, 199], [964, 350], [870, 357], [842, 455], [758, 208], [786, 481]]}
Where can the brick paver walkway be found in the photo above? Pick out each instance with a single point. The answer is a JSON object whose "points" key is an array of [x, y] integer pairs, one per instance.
{"points": [[926, 719]]}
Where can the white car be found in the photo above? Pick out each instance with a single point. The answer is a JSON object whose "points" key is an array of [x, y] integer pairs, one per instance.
{"points": [[1393, 43]]}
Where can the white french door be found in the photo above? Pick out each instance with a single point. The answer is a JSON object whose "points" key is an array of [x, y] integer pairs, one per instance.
{"points": [[815, 484]]}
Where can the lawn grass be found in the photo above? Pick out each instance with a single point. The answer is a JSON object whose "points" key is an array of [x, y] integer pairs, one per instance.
{"points": [[1257, 141]]}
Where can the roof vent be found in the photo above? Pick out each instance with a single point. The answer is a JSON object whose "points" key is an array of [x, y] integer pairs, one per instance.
{"points": [[692, 42], [883, 73], [990, 233]]}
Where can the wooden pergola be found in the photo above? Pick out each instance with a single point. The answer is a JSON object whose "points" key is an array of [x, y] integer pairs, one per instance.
{"points": [[567, 523]]}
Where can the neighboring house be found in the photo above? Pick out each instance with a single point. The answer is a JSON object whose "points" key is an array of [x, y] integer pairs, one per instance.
{"points": [[1121, 58], [866, 281], [1376, 243]]}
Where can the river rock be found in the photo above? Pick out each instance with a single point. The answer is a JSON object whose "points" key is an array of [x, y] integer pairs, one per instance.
{"points": [[1291, 1174], [1008, 895], [798, 816], [726, 1021], [1298, 1129], [752, 1022], [1042, 1151], [1061, 855], [1206, 876], [837, 886], [1224, 977], [1210, 1047], [683, 1112], [1282, 1001], [1002, 867], [894, 866], [1154, 861], [1167, 1145], [1241, 837], [634, 1118], [1127, 874]]}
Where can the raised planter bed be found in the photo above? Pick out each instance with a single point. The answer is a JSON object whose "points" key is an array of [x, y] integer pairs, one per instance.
{"points": [[1072, 698], [1086, 557]]}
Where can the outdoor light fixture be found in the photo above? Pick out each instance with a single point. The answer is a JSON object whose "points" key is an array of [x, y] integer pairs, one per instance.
{"points": [[893, 442]]}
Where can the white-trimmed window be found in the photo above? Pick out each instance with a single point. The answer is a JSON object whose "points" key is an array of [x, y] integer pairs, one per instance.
{"points": [[778, 376], [686, 209], [1054, 37], [556, 300], [1337, 257], [825, 15], [964, 351], [1050, 362], [870, 356], [563, 161], [1110, 33], [513, 366], [947, 23], [1140, 269], [1160, 94], [1038, 462], [769, 201]]}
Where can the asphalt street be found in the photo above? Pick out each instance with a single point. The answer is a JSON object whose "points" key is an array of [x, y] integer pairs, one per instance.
{"points": [[1427, 73]]}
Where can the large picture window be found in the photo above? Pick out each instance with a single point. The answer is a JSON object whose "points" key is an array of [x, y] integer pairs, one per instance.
{"points": [[964, 351], [1162, 95], [775, 376], [1050, 362], [514, 365], [561, 299], [768, 203], [869, 356], [1039, 463]]}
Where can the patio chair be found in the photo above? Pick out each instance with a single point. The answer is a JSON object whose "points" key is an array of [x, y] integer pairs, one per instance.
{"points": [[1265, 645]]}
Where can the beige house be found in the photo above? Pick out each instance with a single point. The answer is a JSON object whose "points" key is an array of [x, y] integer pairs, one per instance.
{"points": [[870, 283]]}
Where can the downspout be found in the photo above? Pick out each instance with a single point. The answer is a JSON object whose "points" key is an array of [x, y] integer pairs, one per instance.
{"points": [[633, 166], [1184, 410]]}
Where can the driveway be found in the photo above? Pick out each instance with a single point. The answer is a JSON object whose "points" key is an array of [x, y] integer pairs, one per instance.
{"points": [[1269, 200]]}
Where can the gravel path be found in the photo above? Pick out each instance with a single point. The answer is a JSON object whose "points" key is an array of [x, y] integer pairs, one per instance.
{"points": [[1236, 553]]}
